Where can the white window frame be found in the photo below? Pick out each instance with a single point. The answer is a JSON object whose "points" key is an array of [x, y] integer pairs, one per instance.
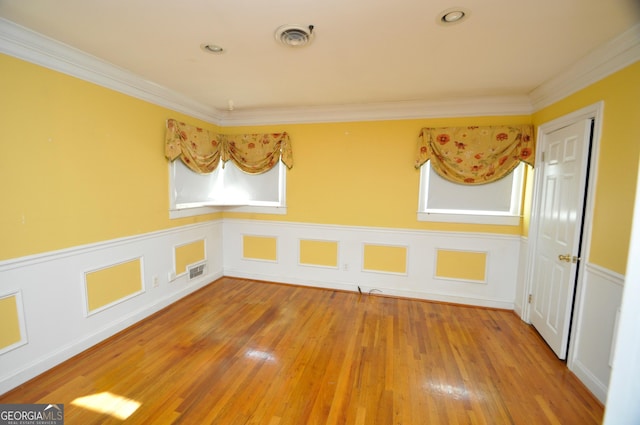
{"points": [[189, 209], [442, 215]]}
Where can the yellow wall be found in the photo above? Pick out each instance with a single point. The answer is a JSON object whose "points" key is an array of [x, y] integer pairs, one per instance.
{"points": [[79, 163], [362, 173], [617, 163]]}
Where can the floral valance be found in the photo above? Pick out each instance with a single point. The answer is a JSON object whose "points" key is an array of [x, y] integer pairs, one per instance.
{"points": [[256, 153], [475, 155], [202, 150]]}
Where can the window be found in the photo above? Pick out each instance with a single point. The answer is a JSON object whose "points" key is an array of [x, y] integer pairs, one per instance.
{"points": [[492, 203], [226, 188]]}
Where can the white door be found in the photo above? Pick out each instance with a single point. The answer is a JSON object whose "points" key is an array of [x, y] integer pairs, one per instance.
{"points": [[560, 219]]}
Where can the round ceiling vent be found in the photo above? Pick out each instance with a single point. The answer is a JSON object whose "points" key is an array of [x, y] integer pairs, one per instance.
{"points": [[294, 35]]}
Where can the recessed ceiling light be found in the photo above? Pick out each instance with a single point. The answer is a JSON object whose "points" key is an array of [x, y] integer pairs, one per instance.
{"points": [[212, 48], [452, 16]]}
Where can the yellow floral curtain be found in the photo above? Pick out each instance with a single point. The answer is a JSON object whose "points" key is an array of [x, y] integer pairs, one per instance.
{"points": [[198, 148], [201, 150], [257, 153], [475, 155]]}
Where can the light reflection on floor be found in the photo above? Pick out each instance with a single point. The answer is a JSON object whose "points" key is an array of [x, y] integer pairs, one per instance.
{"points": [[260, 355], [453, 391], [108, 403]]}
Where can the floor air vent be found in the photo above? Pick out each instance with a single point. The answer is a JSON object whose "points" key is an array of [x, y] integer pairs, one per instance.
{"points": [[195, 271]]}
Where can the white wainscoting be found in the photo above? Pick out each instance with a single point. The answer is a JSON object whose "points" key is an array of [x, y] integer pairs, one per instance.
{"points": [[522, 297], [418, 282], [52, 295], [596, 310]]}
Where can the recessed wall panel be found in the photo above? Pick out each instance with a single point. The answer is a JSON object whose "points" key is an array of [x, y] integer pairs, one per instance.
{"points": [[113, 283], [190, 253], [319, 253], [259, 247], [10, 330], [385, 258], [461, 265]]}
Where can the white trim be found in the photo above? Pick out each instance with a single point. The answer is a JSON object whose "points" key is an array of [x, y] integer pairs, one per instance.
{"points": [[81, 249], [521, 286], [478, 106], [57, 356], [21, 322], [454, 279], [394, 231], [192, 212], [577, 360], [25, 44], [609, 275], [253, 209], [611, 57], [28, 45], [73, 331], [352, 287], [416, 282], [501, 220], [594, 385]]}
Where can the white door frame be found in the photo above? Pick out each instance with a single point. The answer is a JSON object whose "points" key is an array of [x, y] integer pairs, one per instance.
{"points": [[595, 112]]}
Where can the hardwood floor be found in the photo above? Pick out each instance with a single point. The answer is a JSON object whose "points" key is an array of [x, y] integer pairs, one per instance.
{"points": [[246, 352]]}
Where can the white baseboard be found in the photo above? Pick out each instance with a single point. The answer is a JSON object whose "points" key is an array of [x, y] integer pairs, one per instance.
{"points": [[598, 299], [597, 387], [61, 354], [377, 290], [52, 285]]}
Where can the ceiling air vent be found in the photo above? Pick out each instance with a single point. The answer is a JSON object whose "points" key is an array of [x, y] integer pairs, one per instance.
{"points": [[294, 35]]}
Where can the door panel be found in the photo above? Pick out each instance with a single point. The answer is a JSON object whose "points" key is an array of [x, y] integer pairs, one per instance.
{"points": [[563, 190]]}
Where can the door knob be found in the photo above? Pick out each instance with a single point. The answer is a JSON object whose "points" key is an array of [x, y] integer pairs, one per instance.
{"points": [[568, 258]]}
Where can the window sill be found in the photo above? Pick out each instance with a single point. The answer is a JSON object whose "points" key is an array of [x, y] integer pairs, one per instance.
{"points": [[502, 220], [210, 209]]}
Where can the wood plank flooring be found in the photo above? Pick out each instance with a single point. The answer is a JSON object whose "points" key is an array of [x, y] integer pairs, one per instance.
{"points": [[246, 352]]}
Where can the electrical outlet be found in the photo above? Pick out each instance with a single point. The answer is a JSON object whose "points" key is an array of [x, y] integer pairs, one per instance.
{"points": [[345, 267], [156, 281]]}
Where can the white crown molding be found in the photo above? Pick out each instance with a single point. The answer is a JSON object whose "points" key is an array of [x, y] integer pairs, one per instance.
{"points": [[25, 44], [33, 47], [479, 106], [611, 57], [22, 43]]}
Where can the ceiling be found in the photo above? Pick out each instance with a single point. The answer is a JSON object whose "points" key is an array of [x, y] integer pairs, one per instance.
{"points": [[363, 51]]}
